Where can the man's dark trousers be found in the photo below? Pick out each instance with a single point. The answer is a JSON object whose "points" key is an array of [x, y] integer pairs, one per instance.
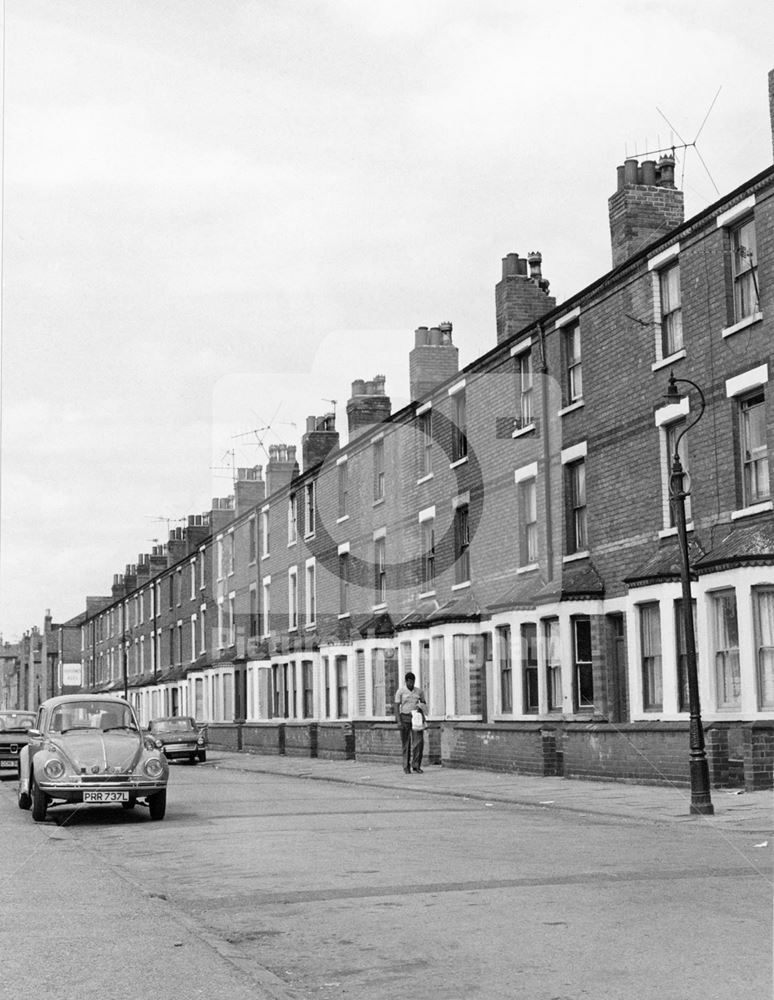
{"points": [[412, 743]]}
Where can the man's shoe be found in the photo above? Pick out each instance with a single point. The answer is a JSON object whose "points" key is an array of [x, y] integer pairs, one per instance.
{"points": [[407, 770], [418, 770]]}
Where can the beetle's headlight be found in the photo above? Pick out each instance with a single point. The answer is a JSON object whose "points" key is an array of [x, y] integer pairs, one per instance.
{"points": [[153, 767], [54, 768]]}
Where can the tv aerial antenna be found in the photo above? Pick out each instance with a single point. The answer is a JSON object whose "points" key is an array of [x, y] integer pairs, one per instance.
{"points": [[260, 433], [163, 519], [228, 470], [685, 146]]}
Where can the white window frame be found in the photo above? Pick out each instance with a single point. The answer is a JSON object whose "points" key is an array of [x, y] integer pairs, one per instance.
{"points": [[310, 509], [310, 592], [266, 607], [265, 532], [293, 598]]}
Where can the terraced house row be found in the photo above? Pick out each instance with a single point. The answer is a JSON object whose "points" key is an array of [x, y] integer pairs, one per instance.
{"points": [[508, 535]]}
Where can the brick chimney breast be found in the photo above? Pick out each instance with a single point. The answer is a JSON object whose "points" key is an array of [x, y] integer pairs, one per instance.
{"points": [[433, 360], [249, 489], [368, 405], [320, 438], [281, 468], [645, 206], [521, 295]]}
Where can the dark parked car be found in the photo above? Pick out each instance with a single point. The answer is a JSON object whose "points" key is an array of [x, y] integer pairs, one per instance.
{"points": [[13, 736], [180, 738], [90, 749]]}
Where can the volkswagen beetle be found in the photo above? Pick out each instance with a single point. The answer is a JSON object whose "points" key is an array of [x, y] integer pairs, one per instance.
{"points": [[89, 749]]}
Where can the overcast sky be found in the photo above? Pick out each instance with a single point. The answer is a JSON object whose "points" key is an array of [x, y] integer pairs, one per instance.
{"points": [[219, 213]]}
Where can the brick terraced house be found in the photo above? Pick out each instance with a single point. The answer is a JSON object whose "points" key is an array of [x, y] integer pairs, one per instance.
{"points": [[508, 535]]}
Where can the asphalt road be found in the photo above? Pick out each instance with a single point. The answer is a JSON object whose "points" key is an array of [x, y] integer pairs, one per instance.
{"points": [[277, 887]]}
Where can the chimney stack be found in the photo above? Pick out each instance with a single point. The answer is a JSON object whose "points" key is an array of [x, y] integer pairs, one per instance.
{"points": [[521, 298], [320, 438], [176, 546], [196, 530], [368, 406], [645, 207], [282, 467], [221, 513], [130, 578], [433, 360], [249, 489]]}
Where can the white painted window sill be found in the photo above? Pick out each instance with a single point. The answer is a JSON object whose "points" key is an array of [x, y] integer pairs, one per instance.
{"points": [[460, 461], [757, 508], [577, 405], [426, 593], [461, 586], [729, 331], [344, 614], [528, 568], [574, 556], [425, 479], [669, 532], [342, 519], [521, 431], [663, 362]]}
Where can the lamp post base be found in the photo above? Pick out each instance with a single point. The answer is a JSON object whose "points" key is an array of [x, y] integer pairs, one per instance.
{"points": [[701, 803]]}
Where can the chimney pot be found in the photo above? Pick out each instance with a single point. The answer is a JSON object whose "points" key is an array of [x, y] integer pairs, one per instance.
{"points": [[510, 265], [666, 171], [631, 171], [535, 260], [649, 172]]}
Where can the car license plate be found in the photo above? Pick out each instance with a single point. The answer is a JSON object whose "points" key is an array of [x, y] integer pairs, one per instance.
{"points": [[9, 763], [106, 796]]}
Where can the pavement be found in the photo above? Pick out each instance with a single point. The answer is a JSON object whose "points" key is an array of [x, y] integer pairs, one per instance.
{"points": [[734, 809]]}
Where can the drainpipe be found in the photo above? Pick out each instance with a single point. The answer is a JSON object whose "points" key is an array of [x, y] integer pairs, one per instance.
{"points": [[546, 452]]}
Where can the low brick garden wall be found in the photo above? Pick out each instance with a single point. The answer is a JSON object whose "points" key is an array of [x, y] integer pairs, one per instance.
{"points": [[738, 754], [520, 747], [380, 742]]}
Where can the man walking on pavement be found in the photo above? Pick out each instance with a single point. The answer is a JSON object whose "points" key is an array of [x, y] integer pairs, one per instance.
{"points": [[408, 699]]}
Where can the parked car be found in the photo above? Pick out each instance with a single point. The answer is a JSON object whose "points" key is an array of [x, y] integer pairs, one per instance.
{"points": [[13, 736], [90, 749], [180, 738]]}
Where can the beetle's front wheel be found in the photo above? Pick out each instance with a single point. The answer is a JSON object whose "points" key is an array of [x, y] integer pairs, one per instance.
{"points": [[157, 804], [39, 802]]}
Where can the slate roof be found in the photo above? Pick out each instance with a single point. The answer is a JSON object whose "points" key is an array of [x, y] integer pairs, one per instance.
{"points": [[742, 545], [663, 564], [579, 581]]}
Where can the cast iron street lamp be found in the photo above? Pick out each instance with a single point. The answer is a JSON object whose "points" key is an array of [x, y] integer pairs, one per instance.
{"points": [[125, 641], [701, 802]]}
